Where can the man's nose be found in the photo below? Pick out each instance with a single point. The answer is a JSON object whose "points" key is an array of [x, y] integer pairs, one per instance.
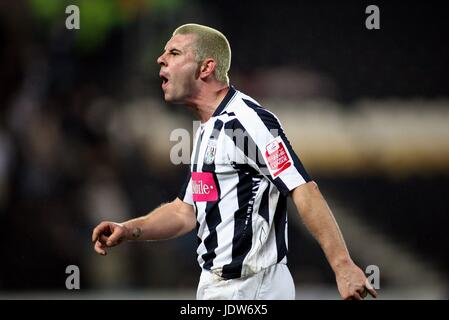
{"points": [[161, 60]]}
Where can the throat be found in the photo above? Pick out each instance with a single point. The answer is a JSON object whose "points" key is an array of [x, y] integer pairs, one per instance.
{"points": [[206, 105]]}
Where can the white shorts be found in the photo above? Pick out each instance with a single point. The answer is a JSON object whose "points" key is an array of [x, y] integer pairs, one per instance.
{"points": [[273, 283]]}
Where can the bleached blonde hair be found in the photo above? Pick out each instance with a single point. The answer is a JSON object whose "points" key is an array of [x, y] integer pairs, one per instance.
{"points": [[210, 43]]}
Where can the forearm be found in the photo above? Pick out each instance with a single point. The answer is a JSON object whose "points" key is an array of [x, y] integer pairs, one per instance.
{"points": [[165, 222], [320, 221]]}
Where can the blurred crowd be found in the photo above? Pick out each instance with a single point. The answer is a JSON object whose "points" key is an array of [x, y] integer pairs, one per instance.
{"points": [[78, 112]]}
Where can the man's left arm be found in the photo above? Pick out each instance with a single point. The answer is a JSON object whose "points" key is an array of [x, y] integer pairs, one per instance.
{"points": [[318, 218]]}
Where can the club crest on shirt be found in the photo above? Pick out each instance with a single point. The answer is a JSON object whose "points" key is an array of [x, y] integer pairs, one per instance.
{"points": [[209, 155]]}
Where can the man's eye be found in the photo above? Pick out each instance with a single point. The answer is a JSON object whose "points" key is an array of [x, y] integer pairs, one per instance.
{"points": [[174, 53]]}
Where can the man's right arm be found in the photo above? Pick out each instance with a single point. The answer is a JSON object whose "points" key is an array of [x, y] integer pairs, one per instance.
{"points": [[169, 221]]}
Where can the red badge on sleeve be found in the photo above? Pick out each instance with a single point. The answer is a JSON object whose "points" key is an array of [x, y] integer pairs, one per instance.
{"points": [[277, 157]]}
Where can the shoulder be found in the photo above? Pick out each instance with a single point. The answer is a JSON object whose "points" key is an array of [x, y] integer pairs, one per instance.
{"points": [[251, 113]]}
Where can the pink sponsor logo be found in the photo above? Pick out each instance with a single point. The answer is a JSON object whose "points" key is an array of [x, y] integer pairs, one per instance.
{"points": [[203, 187]]}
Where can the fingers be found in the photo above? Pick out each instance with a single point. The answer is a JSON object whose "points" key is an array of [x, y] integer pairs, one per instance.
{"points": [[116, 237], [99, 230], [370, 289], [103, 239], [352, 296], [372, 292], [107, 234], [100, 248], [356, 296], [353, 284], [362, 292]]}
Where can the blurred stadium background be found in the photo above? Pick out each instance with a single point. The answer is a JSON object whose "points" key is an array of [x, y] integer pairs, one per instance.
{"points": [[84, 136]]}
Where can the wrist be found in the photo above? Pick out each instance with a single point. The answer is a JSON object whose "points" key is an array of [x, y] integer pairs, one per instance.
{"points": [[341, 263], [136, 232], [132, 232]]}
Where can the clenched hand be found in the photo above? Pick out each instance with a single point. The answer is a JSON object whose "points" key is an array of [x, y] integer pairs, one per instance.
{"points": [[108, 234], [353, 284]]}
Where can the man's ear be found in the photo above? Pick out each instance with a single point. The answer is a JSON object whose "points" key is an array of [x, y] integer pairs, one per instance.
{"points": [[207, 68]]}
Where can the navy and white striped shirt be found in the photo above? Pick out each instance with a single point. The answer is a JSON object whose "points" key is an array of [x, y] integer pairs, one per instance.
{"points": [[242, 170]]}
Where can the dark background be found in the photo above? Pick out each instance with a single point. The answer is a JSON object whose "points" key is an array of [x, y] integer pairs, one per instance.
{"points": [[66, 158]]}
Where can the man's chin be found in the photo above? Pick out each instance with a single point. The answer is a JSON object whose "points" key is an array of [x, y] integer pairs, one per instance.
{"points": [[168, 98], [172, 100]]}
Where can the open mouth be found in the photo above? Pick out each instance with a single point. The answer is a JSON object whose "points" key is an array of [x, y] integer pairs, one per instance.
{"points": [[164, 80]]}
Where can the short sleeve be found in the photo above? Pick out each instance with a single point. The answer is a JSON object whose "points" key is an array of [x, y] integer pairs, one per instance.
{"points": [[185, 194], [267, 149]]}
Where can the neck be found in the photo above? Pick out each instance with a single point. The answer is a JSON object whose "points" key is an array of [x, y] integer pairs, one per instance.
{"points": [[207, 100]]}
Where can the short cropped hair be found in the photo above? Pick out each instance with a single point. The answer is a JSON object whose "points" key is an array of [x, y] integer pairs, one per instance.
{"points": [[210, 43]]}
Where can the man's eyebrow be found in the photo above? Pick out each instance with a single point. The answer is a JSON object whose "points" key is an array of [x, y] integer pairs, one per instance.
{"points": [[172, 50]]}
